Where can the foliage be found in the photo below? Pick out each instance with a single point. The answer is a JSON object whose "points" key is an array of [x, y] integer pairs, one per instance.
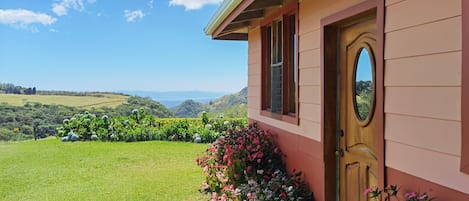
{"points": [[8, 88], [363, 91], [32, 119], [140, 126], [391, 191], [41, 120], [188, 108], [229, 105], [50, 170], [246, 165]]}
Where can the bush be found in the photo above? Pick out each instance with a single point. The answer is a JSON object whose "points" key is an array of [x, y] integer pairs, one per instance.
{"points": [[139, 126], [246, 165]]}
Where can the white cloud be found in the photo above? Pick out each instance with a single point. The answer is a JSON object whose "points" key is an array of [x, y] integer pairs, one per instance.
{"points": [[150, 4], [53, 30], [24, 17], [62, 7], [131, 16], [59, 9], [193, 4]]}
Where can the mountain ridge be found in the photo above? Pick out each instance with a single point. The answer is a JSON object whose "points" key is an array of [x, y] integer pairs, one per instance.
{"points": [[229, 105]]}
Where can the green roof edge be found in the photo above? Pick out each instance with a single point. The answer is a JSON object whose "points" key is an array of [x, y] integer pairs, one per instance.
{"points": [[226, 7]]}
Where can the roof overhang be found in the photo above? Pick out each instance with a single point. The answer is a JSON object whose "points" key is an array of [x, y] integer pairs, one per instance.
{"points": [[234, 17]]}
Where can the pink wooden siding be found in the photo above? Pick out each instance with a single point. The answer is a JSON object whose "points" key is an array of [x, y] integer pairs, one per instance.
{"points": [[423, 90], [422, 81], [310, 14], [429, 70]]}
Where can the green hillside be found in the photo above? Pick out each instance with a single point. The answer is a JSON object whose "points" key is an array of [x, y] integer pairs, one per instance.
{"points": [[231, 105], [188, 108]]}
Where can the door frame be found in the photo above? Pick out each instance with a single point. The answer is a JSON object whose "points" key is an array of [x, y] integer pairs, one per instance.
{"points": [[329, 92]]}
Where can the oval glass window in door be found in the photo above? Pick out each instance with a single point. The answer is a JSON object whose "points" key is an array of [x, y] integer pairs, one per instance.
{"points": [[363, 91]]}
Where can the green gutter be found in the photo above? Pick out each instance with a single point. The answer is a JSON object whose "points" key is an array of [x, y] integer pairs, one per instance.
{"points": [[220, 15]]}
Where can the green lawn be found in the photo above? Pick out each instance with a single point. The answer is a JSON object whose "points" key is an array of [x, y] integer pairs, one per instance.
{"points": [[52, 170]]}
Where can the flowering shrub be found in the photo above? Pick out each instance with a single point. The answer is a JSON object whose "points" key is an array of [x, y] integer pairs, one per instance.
{"points": [[139, 126], [415, 196], [391, 191], [246, 165]]}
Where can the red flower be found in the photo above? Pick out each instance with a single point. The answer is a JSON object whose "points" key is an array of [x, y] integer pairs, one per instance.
{"points": [[284, 195]]}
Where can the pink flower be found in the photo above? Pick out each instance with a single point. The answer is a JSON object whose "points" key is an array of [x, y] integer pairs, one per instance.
{"points": [[214, 196], [276, 150], [255, 141], [411, 195], [249, 168], [368, 190], [205, 185], [422, 197], [250, 195], [235, 176], [260, 155], [224, 197]]}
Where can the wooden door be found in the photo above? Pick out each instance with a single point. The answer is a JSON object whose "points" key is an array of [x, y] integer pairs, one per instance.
{"points": [[357, 143]]}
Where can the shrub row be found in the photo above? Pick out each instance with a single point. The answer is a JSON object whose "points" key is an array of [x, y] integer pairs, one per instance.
{"points": [[139, 126]]}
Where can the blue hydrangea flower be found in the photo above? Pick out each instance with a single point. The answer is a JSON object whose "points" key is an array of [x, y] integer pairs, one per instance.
{"points": [[135, 111], [105, 117]]}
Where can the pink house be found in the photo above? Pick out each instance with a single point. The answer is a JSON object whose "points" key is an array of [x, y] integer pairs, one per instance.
{"points": [[360, 92]]}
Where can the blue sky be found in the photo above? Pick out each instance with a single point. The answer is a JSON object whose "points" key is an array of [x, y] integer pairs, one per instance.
{"points": [[108, 45], [364, 72]]}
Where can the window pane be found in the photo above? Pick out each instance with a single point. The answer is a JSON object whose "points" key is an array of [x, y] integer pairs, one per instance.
{"points": [[276, 42], [276, 73], [292, 79]]}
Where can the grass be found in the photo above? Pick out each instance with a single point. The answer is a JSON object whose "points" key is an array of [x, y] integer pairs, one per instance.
{"points": [[52, 170], [86, 102]]}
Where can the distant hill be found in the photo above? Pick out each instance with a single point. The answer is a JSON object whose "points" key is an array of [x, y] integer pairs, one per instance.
{"points": [[173, 98], [188, 108], [231, 105]]}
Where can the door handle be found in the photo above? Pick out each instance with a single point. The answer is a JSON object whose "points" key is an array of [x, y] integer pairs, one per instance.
{"points": [[339, 153], [340, 133]]}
